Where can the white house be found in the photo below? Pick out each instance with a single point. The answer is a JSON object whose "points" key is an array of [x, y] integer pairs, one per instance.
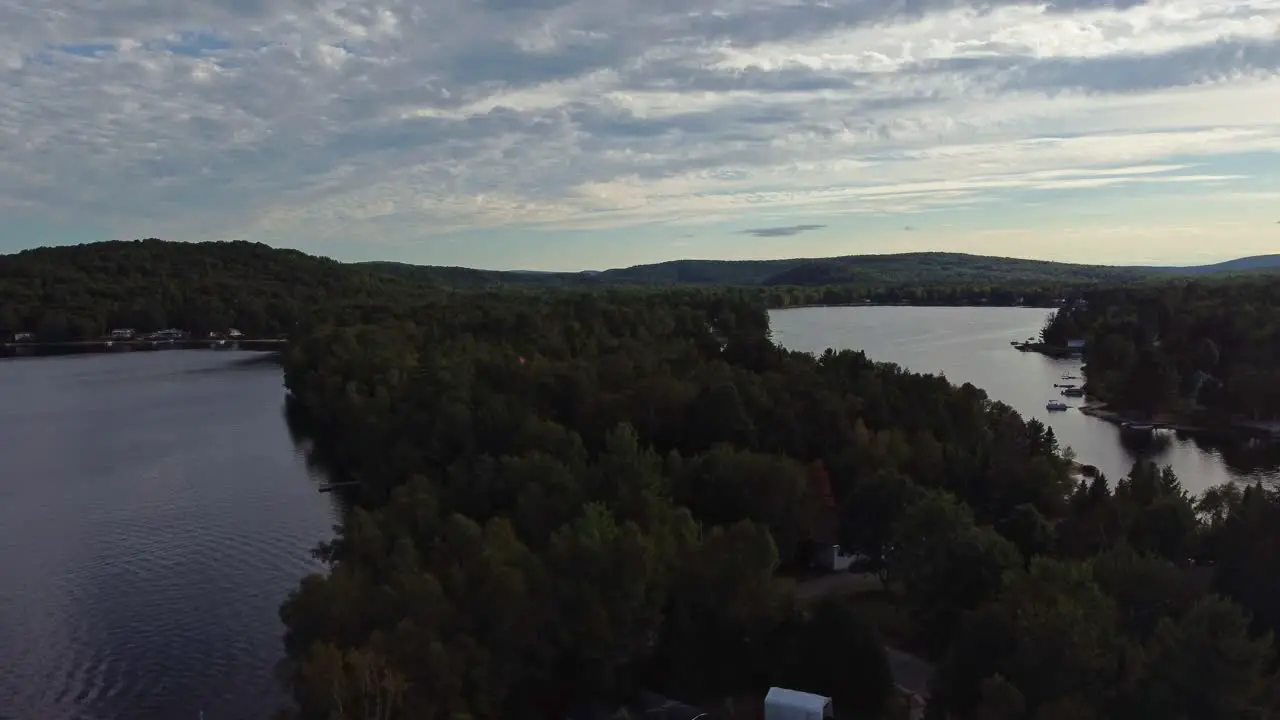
{"points": [[784, 704], [833, 559], [234, 333]]}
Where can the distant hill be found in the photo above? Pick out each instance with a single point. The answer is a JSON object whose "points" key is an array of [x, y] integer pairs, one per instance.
{"points": [[84, 290], [1254, 263], [926, 268]]}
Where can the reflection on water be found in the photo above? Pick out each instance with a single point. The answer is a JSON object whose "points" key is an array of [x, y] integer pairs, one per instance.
{"points": [[972, 345], [153, 516]]}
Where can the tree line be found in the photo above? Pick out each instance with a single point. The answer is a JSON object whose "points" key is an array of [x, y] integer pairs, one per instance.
{"points": [[570, 496], [83, 292], [1210, 347]]}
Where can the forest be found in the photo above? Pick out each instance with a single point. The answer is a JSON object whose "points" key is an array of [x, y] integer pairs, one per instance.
{"points": [[82, 292], [1208, 348], [568, 498]]}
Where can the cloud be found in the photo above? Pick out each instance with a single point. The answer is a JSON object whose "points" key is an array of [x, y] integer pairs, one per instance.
{"points": [[348, 121], [784, 231]]}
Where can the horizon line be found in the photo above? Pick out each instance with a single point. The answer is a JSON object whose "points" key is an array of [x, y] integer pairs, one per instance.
{"points": [[1166, 265]]}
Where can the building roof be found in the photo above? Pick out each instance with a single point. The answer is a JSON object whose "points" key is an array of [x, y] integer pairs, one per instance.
{"points": [[782, 697]]}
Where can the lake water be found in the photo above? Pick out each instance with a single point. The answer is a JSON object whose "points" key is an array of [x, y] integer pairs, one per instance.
{"points": [[154, 513], [972, 345]]}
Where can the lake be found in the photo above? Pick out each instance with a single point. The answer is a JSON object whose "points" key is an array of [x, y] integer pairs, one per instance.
{"points": [[154, 514], [972, 345]]}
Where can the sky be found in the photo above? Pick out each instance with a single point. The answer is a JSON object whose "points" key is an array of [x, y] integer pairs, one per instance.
{"points": [[556, 135]]}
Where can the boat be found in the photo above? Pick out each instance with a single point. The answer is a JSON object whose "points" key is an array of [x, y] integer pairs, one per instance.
{"points": [[1073, 392], [1056, 405]]}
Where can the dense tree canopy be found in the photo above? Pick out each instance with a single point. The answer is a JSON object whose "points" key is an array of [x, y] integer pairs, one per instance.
{"points": [[633, 473], [646, 461], [1211, 346], [83, 291], [80, 292]]}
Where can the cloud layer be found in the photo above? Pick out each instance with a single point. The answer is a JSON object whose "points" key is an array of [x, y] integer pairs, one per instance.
{"points": [[290, 120]]}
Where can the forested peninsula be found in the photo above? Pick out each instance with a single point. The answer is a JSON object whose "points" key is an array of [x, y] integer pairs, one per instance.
{"points": [[566, 502]]}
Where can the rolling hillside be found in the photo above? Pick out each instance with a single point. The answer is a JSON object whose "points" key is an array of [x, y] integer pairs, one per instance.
{"points": [[1256, 263], [932, 268], [82, 291]]}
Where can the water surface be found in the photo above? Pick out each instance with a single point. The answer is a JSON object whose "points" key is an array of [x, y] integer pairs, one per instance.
{"points": [[154, 513], [970, 344]]}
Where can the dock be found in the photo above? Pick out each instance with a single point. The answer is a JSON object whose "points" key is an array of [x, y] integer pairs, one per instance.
{"points": [[1259, 429]]}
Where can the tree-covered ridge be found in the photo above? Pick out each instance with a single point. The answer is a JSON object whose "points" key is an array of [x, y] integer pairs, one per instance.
{"points": [[80, 292], [568, 500], [83, 291], [1208, 346], [865, 272]]}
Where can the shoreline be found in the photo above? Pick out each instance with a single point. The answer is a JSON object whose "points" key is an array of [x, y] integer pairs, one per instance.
{"points": [[908, 304], [1179, 422], [1176, 421], [106, 347]]}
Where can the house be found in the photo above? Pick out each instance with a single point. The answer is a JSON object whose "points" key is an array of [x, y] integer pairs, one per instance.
{"points": [[784, 704], [24, 337], [122, 334], [832, 559], [1075, 346], [234, 333]]}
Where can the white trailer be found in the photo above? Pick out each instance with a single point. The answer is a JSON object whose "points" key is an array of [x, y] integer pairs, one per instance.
{"points": [[784, 704]]}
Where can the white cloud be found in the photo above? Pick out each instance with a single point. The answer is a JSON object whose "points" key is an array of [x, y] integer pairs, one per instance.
{"points": [[291, 120]]}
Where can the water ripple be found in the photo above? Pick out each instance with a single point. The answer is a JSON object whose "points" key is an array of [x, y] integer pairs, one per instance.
{"points": [[170, 518]]}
